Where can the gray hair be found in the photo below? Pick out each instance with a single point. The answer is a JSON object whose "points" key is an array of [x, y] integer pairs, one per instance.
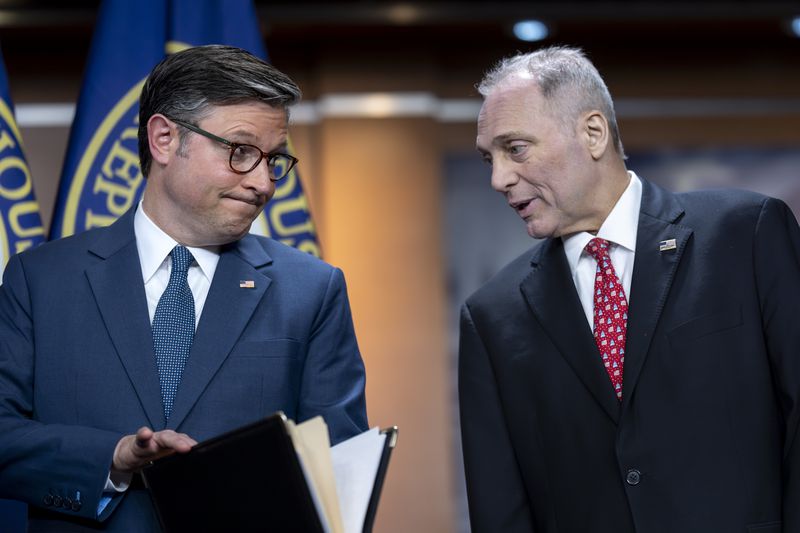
{"points": [[187, 84], [566, 78]]}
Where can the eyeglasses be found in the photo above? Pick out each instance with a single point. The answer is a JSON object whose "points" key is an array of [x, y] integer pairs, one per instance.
{"points": [[245, 157]]}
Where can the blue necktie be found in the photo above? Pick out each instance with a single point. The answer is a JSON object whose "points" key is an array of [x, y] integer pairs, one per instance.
{"points": [[173, 327]]}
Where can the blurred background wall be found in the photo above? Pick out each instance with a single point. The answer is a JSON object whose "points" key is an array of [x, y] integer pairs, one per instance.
{"points": [[708, 94]]}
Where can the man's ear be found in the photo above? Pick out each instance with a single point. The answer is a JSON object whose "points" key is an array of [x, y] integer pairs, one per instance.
{"points": [[162, 138], [596, 133]]}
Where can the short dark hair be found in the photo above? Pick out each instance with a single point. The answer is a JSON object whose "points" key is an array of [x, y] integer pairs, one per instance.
{"points": [[185, 85]]}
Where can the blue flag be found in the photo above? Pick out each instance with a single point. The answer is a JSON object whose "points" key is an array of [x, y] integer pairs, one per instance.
{"points": [[101, 178], [20, 228], [20, 222]]}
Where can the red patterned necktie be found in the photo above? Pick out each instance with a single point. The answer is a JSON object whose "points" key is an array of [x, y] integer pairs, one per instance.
{"points": [[610, 313]]}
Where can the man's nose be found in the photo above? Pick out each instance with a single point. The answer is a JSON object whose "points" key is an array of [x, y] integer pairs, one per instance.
{"points": [[504, 176], [260, 179]]}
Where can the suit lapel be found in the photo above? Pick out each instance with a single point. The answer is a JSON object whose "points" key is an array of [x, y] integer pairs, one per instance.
{"points": [[552, 297], [118, 290], [226, 313], [653, 273]]}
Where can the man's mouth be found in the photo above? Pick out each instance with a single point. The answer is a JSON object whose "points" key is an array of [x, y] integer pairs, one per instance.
{"points": [[248, 200], [520, 206]]}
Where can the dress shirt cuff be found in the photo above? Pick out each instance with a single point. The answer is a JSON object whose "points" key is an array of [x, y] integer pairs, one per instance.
{"points": [[117, 482]]}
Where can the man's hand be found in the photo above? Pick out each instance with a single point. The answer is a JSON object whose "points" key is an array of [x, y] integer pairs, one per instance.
{"points": [[135, 451]]}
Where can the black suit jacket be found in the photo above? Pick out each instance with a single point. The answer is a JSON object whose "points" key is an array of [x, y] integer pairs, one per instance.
{"points": [[704, 439]]}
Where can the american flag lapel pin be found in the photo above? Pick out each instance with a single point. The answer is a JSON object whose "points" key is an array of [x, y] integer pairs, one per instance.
{"points": [[667, 245], [247, 284]]}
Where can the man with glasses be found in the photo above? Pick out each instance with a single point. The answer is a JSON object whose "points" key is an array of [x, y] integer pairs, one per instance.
{"points": [[128, 343]]}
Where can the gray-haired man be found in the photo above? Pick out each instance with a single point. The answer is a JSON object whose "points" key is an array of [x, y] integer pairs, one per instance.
{"points": [[637, 370]]}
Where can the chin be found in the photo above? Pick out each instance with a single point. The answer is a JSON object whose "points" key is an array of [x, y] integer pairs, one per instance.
{"points": [[238, 225], [537, 232], [236, 235], [226, 235]]}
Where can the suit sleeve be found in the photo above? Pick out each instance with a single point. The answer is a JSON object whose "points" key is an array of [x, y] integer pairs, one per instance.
{"points": [[333, 377], [497, 497], [777, 267], [59, 467]]}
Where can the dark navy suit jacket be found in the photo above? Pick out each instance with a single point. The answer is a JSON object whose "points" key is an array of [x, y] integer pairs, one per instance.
{"points": [[77, 368], [705, 437]]}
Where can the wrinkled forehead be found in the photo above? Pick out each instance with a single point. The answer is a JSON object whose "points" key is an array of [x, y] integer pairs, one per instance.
{"points": [[509, 107]]}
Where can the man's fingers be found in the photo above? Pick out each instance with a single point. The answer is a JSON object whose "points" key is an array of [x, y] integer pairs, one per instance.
{"points": [[134, 451], [143, 437], [170, 440]]}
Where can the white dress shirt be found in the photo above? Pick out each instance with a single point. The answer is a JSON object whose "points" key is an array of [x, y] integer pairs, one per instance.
{"points": [[619, 229], [154, 247]]}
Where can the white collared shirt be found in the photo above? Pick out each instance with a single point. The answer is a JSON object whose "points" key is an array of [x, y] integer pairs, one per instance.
{"points": [[619, 229], [154, 247]]}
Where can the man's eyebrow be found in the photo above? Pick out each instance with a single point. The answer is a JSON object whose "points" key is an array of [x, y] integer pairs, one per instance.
{"points": [[248, 137], [503, 139], [242, 134], [511, 135]]}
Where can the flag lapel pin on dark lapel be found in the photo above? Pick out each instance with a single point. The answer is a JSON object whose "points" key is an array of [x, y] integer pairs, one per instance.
{"points": [[667, 245]]}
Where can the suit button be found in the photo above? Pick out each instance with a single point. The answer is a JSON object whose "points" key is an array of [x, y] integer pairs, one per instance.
{"points": [[633, 477], [76, 505], [57, 501], [48, 500]]}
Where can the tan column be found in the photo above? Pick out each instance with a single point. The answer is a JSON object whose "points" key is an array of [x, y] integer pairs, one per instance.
{"points": [[380, 221]]}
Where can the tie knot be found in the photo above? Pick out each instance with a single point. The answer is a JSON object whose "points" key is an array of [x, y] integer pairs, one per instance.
{"points": [[597, 248], [181, 258]]}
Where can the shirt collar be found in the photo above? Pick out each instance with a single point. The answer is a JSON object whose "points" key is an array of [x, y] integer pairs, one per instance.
{"points": [[154, 246], [619, 227]]}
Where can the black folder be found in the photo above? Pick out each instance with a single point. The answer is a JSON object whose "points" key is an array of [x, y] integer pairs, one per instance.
{"points": [[249, 479]]}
